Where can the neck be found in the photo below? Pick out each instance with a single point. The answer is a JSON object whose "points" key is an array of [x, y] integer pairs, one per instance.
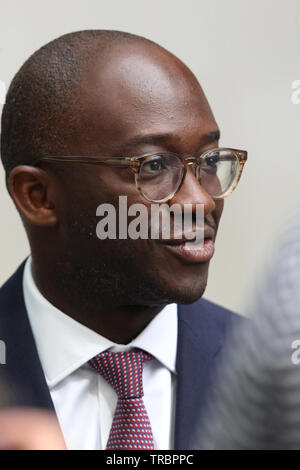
{"points": [[112, 320]]}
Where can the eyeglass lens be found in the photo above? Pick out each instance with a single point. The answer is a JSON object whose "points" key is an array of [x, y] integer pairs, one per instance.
{"points": [[160, 175]]}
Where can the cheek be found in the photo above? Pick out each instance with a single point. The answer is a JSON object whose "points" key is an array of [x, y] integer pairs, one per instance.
{"points": [[115, 183]]}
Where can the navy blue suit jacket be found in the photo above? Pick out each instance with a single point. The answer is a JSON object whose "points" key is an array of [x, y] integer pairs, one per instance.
{"points": [[201, 332]]}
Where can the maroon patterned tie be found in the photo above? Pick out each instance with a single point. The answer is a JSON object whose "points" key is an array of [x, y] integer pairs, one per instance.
{"points": [[131, 428]]}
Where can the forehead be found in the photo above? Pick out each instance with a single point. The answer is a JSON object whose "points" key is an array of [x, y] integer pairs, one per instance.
{"points": [[144, 89]]}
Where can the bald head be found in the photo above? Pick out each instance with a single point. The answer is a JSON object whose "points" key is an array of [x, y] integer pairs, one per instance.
{"points": [[89, 77]]}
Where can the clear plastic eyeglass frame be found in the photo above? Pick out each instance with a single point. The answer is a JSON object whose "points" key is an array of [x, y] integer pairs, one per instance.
{"points": [[135, 163]]}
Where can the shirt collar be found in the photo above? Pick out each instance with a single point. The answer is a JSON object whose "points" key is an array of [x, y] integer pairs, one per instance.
{"points": [[64, 344]]}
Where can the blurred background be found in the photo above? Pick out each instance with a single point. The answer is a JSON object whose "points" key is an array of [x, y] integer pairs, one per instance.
{"points": [[246, 55]]}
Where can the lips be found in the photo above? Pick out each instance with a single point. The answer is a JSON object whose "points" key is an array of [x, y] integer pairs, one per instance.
{"points": [[188, 251], [208, 233]]}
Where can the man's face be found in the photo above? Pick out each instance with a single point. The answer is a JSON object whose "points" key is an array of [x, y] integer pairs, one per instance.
{"points": [[139, 92]]}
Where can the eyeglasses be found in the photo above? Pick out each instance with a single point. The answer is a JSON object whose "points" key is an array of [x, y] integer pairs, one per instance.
{"points": [[159, 176]]}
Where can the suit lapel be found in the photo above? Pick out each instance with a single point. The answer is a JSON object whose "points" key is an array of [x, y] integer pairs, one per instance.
{"points": [[198, 343], [22, 375]]}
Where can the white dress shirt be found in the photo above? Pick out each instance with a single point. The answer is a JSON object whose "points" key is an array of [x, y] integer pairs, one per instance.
{"points": [[84, 402]]}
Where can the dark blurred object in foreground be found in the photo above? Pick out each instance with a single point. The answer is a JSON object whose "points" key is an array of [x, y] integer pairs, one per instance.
{"points": [[255, 403]]}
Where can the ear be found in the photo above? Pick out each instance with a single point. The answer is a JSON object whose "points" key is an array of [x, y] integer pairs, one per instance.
{"points": [[33, 191]]}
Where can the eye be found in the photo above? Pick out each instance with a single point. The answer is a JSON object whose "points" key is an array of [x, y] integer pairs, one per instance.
{"points": [[210, 164], [212, 160], [155, 164]]}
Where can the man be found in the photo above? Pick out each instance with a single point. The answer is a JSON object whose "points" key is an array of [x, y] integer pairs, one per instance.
{"points": [[79, 302]]}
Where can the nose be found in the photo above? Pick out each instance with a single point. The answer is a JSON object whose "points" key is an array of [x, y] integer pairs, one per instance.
{"points": [[191, 192]]}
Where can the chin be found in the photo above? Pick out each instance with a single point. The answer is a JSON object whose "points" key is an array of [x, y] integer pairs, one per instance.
{"points": [[189, 296], [188, 293]]}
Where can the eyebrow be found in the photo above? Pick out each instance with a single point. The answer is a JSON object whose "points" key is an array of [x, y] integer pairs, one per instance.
{"points": [[156, 139]]}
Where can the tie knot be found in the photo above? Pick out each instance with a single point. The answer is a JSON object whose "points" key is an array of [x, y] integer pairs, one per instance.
{"points": [[123, 371]]}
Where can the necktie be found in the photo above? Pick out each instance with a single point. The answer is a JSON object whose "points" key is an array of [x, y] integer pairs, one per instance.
{"points": [[131, 428]]}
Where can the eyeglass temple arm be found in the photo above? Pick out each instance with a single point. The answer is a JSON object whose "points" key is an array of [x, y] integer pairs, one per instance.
{"points": [[117, 161]]}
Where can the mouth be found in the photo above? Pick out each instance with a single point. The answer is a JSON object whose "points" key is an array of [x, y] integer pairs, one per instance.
{"points": [[191, 251]]}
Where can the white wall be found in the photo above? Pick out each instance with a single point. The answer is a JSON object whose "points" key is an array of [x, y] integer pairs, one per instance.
{"points": [[246, 54]]}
